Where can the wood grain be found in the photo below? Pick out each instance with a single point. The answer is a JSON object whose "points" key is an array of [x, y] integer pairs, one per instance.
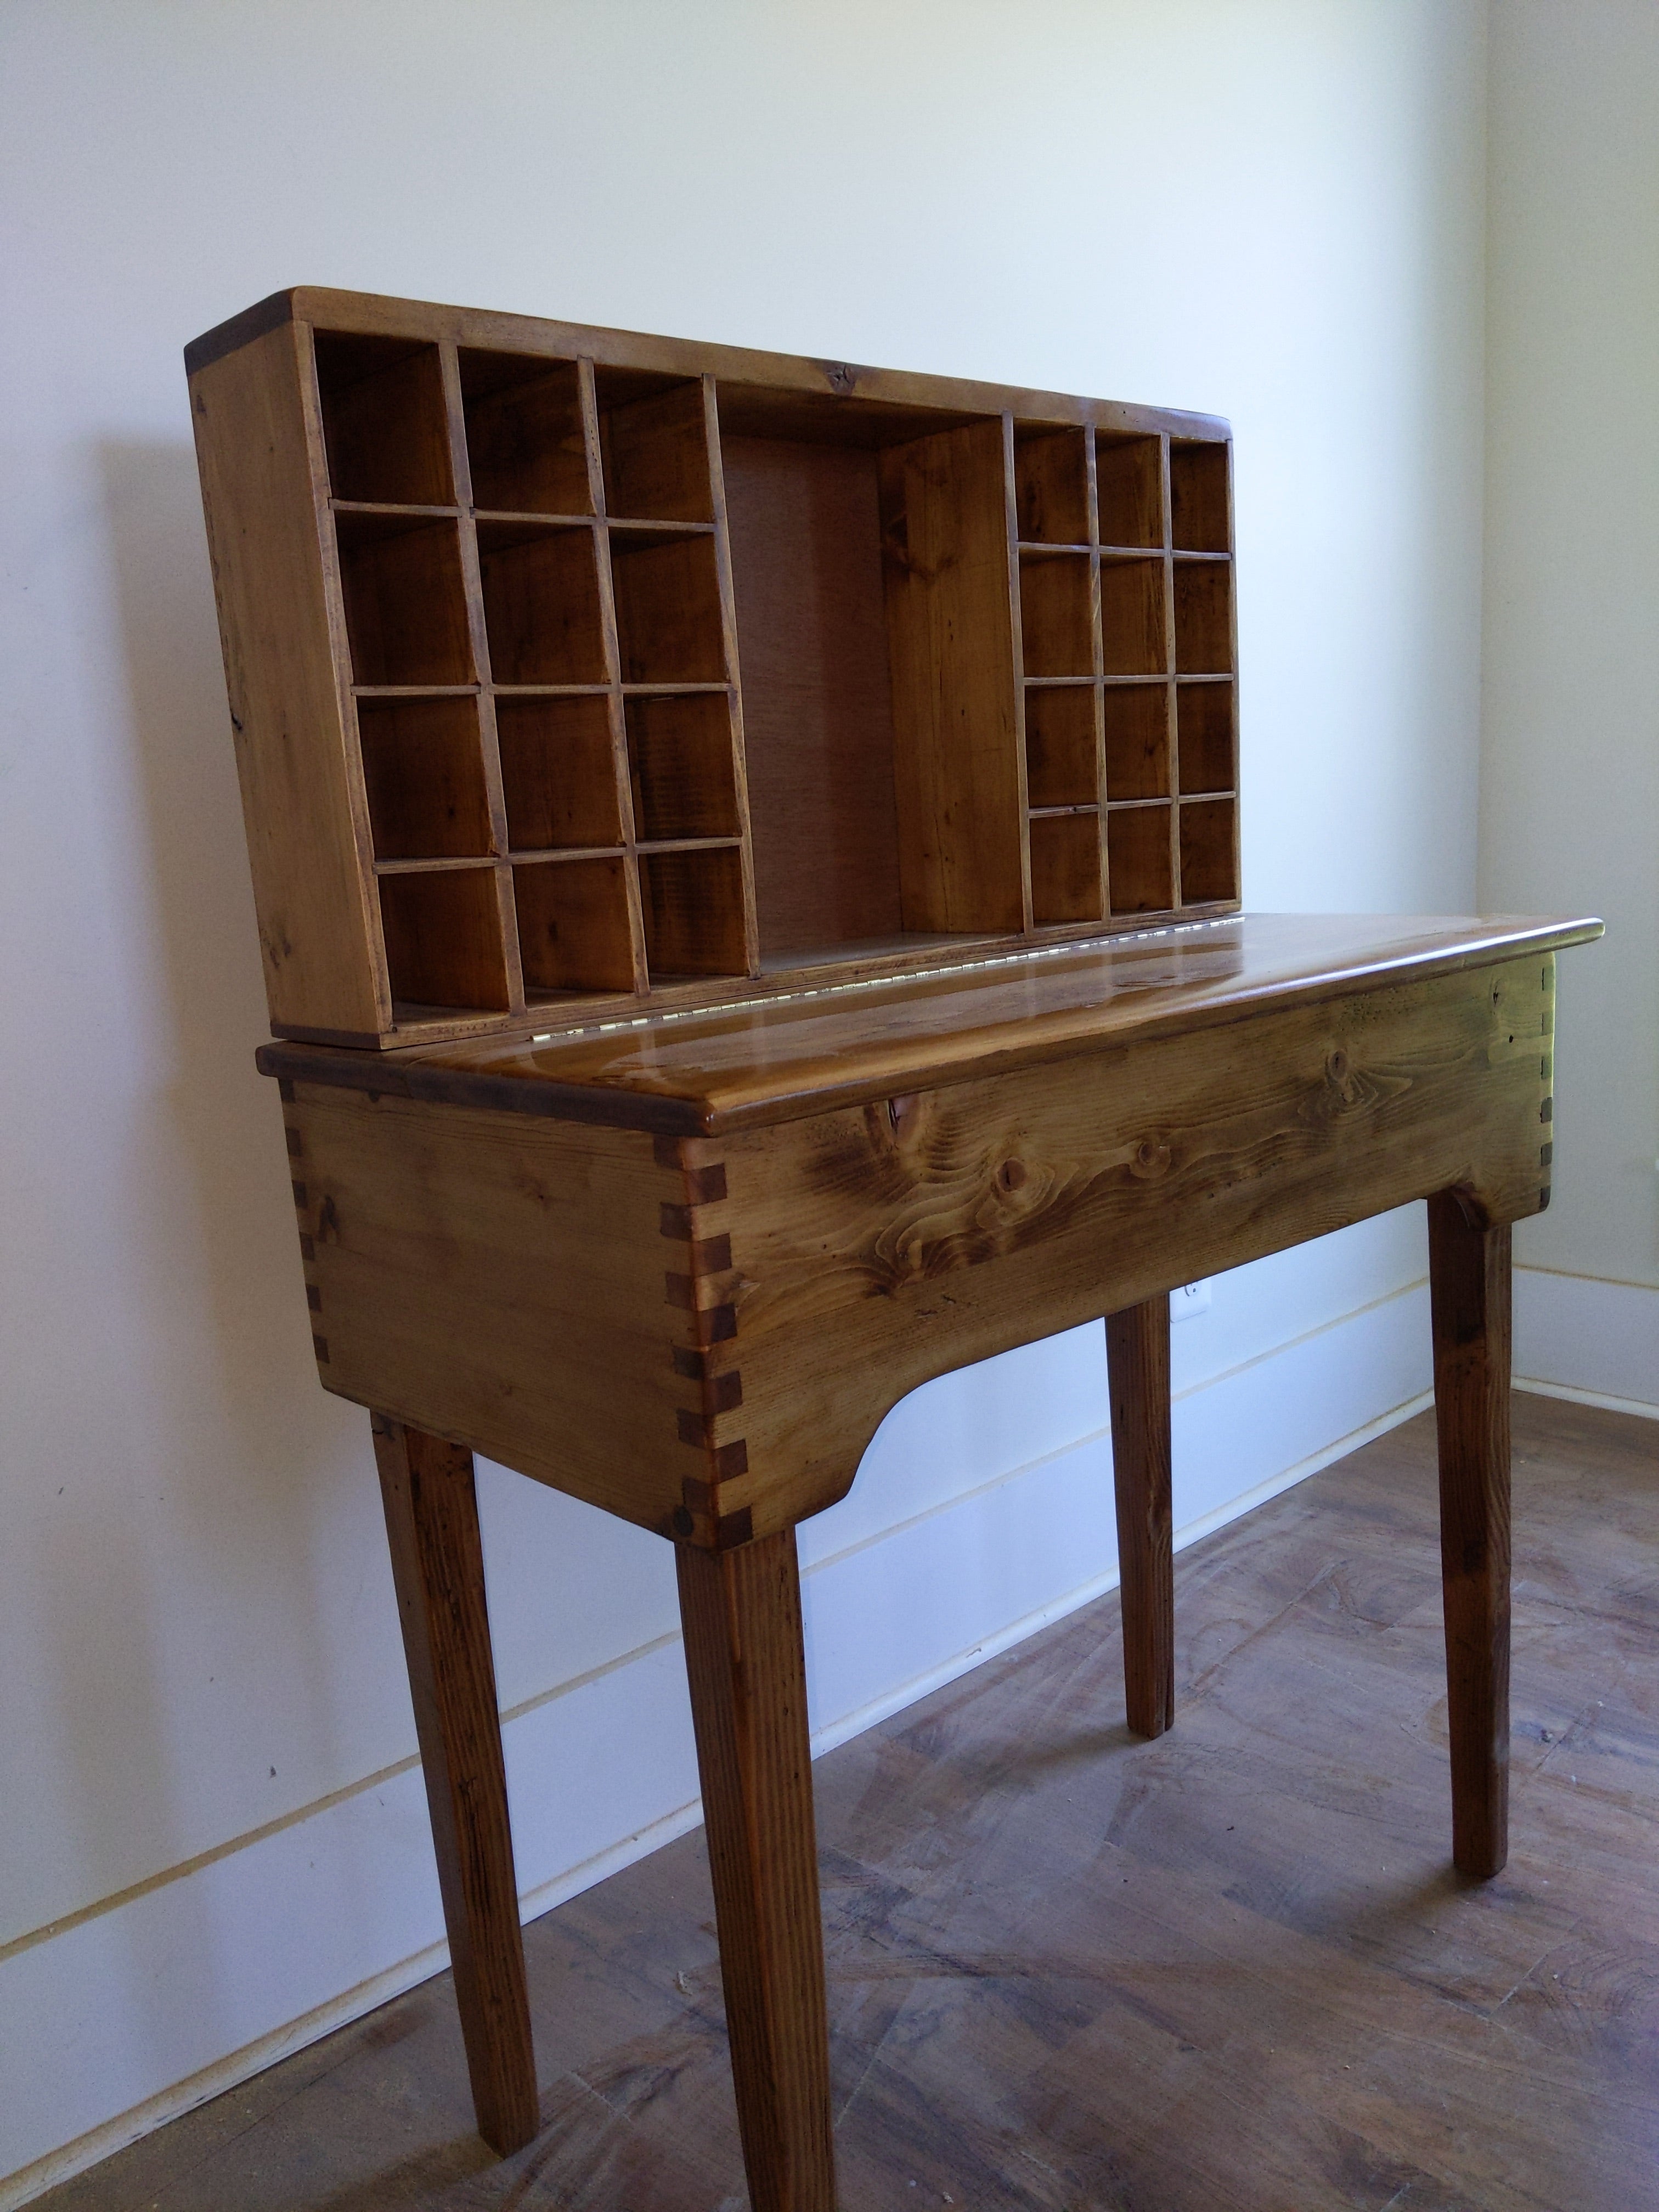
{"points": [[258, 445], [746, 1664], [1138, 1366], [805, 535], [437, 1563], [1470, 1292], [499, 1278], [958, 767]]}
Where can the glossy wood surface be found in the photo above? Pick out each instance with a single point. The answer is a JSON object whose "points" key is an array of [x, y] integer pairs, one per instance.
{"points": [[437, 1565], [1068, 1968], [790, 1053], [734, 1315]]}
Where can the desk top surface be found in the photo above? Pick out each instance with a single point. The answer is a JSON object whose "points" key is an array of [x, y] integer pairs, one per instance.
{"points": [[781, 1054]]}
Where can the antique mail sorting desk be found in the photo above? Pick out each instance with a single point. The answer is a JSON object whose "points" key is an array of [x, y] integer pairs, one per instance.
{"points": [[746, 853], [681, 1264]]}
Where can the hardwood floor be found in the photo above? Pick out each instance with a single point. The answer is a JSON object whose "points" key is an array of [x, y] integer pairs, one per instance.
{"points": [[1068, 1969]]}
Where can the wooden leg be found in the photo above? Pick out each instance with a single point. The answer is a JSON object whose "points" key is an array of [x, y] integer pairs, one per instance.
{"points": [[1469, 1288], [1138, 1371], [437, 1563], [747, 1666]]}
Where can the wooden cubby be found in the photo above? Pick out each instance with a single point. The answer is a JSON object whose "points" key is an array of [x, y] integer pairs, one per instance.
{"points": [[575, 933], [558, 758], [525, 430], [423, 770], [1208, 866], [1204, 714], [1137, 740], [1138, 859], [576, 670]]}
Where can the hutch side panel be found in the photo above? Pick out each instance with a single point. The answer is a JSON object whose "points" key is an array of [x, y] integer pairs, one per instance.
{"points": [[302, 797]]}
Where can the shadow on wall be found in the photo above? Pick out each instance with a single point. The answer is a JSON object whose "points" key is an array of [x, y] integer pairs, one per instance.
{"points": [[268, 1483], [225, 1115]]}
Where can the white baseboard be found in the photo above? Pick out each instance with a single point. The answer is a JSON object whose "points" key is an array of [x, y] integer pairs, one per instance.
{"points": [[200, 1979], [1592, 1341]]}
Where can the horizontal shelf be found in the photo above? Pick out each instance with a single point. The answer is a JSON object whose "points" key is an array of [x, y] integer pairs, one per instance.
{"points": [[445, 864], [1207, 676], [539, 855], [631, 522], [1048, 813], [559, 521], [395, 507], [687, 844], [416, 690], [1127, 805], [1199, 797], [1042, 548], [1062, 682], [1190, 553]]}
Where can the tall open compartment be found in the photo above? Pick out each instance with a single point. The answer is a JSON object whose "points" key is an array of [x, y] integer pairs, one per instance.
{"points": [[573, 670]]}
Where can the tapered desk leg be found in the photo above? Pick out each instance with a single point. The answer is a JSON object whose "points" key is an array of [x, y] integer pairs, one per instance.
{"points": [[1138, 1371], [1469, 1288], [437, 1563], [745, 1656]]}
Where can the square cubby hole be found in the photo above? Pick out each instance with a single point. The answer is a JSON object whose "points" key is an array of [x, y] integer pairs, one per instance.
{"points": [[423, 770], [525, 440], [573, 932], [1060, 745], [558, 773], [693, 910], [1129, 490], [1056, 613], [1204, 721], [654, 440], [405, 605], [1137, 740], [1065, 868], [1051, 486], [1138, 860], [1198, 496], [1209, 872], [680, 765], [444, 947], [383, 422], [1204, 617], [1132, 631], [668, 606], [541, 599]]}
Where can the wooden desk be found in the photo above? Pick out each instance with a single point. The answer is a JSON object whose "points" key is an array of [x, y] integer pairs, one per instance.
{"points": [[680, 1264]]}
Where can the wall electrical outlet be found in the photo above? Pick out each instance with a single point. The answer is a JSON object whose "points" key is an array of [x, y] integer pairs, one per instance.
{"points": [[1190, 1300]]}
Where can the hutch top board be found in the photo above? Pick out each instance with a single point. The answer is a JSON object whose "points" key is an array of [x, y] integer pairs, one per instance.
{"points": [[572, 670]]}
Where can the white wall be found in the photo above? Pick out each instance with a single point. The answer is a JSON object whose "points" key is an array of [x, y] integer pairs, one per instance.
{"points": [[211, 1830], [1569, 778]]}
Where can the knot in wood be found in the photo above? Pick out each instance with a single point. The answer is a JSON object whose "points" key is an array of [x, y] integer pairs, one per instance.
{"points": [[1150, 1160], [1011, 1174], [1336, 1066]]}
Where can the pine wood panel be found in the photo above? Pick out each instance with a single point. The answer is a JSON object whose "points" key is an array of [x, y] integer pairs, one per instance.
{"points": [[512, 1281], [956, 763], [303, 803]]}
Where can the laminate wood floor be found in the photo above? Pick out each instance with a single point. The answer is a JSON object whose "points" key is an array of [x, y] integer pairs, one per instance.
{"points": [[1069, 1970]]}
